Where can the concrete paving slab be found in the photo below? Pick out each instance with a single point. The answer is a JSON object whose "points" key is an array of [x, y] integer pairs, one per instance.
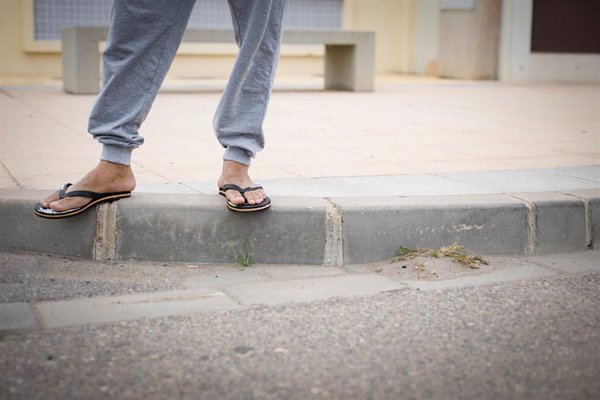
{"points": [[522, 272], [8, 183], [560, 221], [17, 316], [22, 230], [298, 271], [199, 228], [359, 268], [370, 186], [532, 180], [121, 308], [312, 289], [415, 184], [374, 229], [585, 261], [169, 187], [224, 276], [590, 172]]}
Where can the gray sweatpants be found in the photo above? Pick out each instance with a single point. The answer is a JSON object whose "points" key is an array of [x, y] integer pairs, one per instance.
{"points": [[143, 38]]}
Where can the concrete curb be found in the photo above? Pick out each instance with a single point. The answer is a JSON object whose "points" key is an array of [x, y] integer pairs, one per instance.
{"points": [[198, 228]]}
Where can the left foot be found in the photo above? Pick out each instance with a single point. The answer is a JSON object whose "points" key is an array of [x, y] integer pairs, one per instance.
{"points": [[236, 173]]}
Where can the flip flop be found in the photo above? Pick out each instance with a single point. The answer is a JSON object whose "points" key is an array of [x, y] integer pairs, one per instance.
{"points": [[263, 205], [97, 198]]}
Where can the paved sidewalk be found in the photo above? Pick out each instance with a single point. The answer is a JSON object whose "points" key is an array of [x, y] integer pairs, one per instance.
{"points": [[409, 126], [432, 184]]}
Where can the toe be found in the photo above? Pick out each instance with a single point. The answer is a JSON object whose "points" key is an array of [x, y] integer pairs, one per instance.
{"points": [[250, 198], [256, 196], [57, 205], [235, 197], [46, 202], [68, 203]]}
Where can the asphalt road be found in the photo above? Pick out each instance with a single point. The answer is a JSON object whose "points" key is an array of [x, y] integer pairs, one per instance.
{"points": [[535, 339]]}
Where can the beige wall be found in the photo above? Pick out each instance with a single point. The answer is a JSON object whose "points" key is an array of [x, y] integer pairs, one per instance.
{"points": [[469, 41], [392, 20], [426, 37], [15, 61]]}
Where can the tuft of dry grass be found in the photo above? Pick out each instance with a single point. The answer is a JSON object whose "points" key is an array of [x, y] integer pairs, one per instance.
{"points": [[454, 251]]}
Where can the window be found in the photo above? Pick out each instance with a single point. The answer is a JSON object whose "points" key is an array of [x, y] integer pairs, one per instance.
{"points": [[50, 16]]}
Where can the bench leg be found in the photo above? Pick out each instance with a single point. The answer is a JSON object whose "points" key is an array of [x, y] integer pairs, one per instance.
{"points": [[80, 62], [350, 67], [339, 67]]}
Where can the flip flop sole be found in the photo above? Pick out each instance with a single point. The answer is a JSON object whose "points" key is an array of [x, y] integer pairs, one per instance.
{"points": [[76, 211], [244, 208]]}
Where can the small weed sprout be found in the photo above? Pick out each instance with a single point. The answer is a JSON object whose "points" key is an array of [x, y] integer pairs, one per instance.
{"points": [[245, 257]]}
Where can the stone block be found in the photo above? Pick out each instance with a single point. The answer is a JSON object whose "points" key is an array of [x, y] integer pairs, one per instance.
{"points": [[592, 196], [560, 222], [375, 228], [199, 228], [22, 230]]}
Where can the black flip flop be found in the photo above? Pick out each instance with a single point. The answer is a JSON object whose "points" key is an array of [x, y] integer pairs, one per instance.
{"points": [[97, 198], [263, 205]]}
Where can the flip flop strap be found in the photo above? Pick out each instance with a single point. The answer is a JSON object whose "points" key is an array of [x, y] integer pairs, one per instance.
{"points": [[231, 186], [85, 193], [62, 193], [63, 189]]}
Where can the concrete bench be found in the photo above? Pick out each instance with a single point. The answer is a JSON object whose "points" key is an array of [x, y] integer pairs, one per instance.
{"points": [[349, 55]]}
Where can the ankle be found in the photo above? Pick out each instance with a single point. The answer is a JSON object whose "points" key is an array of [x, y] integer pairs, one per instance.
{"points": [[113, 169], [232, 169], [107, 175]]}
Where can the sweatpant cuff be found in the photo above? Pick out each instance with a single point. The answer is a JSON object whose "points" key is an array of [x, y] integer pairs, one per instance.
{"points": [[116, 154], [237, 154]]}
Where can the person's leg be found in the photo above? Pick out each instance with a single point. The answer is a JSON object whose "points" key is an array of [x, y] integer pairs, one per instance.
{"points": [[241, 111], [143, 38]]}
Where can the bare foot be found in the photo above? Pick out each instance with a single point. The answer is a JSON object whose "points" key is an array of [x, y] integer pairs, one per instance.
{"points": [[104, 178], [236, 173]]}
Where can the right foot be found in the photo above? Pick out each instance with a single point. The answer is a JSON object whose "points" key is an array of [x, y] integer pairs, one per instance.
{"points": [[106, 177], [237, 174]]}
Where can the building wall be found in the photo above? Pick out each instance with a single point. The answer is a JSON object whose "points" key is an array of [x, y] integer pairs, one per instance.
{"points": [[408, 41], [16, 62], [426, 37], [469, 40], [517, 61], [26, 60], [393, 22]]}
